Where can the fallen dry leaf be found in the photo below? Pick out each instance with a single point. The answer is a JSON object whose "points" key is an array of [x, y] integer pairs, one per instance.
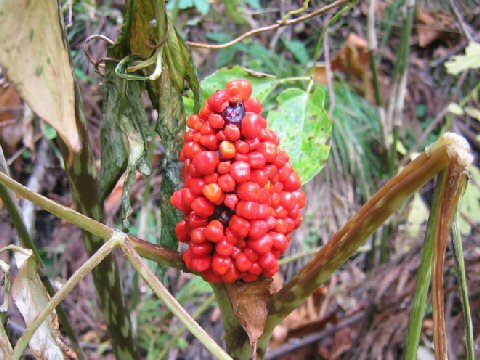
{"points": [[31, 297]]}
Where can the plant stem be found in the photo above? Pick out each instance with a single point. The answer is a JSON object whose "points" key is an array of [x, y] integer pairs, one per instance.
{"points": [[174, 306], [462, 280], [360, 227], [148, 250], [83, 271], [13, 208], [424, 273], [455, 184], [63, 212], [84, 181]]}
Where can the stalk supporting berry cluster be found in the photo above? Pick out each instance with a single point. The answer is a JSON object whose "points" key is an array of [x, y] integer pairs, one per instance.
{"points": [[242, 199]]}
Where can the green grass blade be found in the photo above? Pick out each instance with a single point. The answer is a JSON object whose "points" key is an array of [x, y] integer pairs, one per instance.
{"points": [[424, 273], [463, 288]]}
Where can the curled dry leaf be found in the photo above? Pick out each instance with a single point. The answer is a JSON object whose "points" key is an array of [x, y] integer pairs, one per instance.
{"points": [[31, 297], [36, 60], [249, 302]]}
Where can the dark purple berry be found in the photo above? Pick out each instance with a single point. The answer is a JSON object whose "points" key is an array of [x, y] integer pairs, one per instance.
{"points": [[223, 214], [234, 113]]}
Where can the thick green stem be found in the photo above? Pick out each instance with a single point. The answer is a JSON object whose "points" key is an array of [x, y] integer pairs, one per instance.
{"points": [[84, 181], [359, 228]]}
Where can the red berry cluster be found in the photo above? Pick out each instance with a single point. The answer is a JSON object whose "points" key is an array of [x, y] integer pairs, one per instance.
{"points": [[242, 198]]}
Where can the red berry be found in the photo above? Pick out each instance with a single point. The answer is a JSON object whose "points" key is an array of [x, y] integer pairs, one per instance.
{"points": [[227, 183], [256, 160], [214, 231], [259, 176], [182, 231], [201, 249], [242, 147], [213, 193], [221, 264], [203, 207], [218, 101], [224, 248], [248, 191], [258, 228], [206, 162], [198, 235], [242, 263], [252, 125], [231, 276], [201, 263], [255, 269], [267, 261], [232, 132], [240, 171], [239, 90], [253, 105], [196, 220], [261, 245], [231, 201], [196, 186], [216, 121], [239, 227], [227, 150]]}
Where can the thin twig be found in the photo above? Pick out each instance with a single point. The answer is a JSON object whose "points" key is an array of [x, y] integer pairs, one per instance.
{"points": [[277, 25], [96, 62]]}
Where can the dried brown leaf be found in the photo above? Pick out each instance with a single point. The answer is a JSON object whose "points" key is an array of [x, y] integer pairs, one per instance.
{"points": [[37, 61], [31, 297], [249, 302]]}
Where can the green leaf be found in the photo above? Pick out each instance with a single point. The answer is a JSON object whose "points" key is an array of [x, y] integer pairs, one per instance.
{"points": [[460, 63], [123, 136], [298, 50], [263, 84], [304, 128]]}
